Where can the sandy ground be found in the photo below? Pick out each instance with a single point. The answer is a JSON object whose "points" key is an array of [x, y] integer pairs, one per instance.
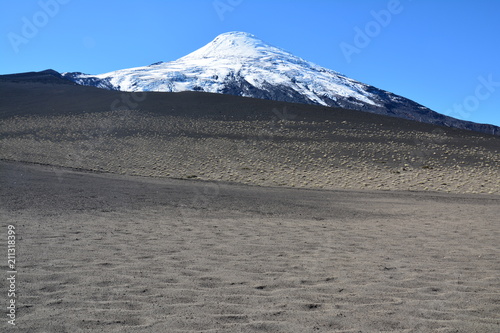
{"points": [[328, 153], [211, 213], [117, 253]]}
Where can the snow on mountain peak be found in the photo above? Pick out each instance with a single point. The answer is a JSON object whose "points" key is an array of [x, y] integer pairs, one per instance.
{"points": [[234, 45], [239, 63]]}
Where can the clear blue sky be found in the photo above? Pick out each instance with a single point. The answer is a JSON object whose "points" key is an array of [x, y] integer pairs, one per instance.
{"points": [[442, 54]]}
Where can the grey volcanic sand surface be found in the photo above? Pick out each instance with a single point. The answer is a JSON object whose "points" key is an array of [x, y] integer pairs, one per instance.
{"points": [[196, 212], [330, 153], [117, 253], [228, 138]]}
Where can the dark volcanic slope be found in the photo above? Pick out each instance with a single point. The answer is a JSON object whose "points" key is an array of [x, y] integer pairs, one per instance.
{"points": [[393, 105], [230, 138], [47, 76], [46, 93]]}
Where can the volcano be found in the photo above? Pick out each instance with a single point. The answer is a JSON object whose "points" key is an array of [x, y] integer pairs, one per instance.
{"points": [[239, 63]]}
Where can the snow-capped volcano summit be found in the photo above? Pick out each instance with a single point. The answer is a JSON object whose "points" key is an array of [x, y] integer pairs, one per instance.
{"points": [[238, 63], [235, 45]]}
